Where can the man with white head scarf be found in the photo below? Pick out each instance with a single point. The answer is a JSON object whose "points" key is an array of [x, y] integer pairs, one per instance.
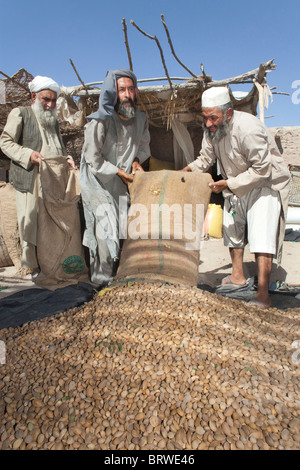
{"points": [[32, 134], [255, 186], [116, 144]]}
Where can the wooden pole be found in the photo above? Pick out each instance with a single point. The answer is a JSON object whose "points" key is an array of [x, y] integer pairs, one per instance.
{"points": [[240, 78], [160, 49], [172, 48], [79, 78], [127, 44]]}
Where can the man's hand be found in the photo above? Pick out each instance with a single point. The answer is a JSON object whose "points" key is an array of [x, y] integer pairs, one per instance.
{"points": [[186, 168], [124, 176], [35, 158], [72, 163], [136, 167], [218, 186]]}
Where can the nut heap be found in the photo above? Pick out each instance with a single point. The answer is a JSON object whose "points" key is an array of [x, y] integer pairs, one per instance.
{"points": [[150, 365]]}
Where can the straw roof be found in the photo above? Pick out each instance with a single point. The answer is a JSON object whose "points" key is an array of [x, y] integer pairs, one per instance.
{"points": [[160, 103], [181, 100]]}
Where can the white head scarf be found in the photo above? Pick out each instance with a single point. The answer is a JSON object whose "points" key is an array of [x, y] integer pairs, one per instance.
{"points": [[43, 83], [215, 96]]}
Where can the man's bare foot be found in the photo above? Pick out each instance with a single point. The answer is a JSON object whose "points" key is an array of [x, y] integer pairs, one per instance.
{"points": [[261, 301]]}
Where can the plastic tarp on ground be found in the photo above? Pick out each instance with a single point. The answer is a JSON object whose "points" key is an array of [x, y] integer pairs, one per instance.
{"points": [[35, 304]]}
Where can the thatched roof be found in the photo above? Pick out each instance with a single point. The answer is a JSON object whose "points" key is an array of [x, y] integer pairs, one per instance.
{"points": [[160, 103], [181, 100]]}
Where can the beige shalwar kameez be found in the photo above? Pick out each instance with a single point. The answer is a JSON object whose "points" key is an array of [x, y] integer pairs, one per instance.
{"points": [[27, 202], [247, 158]]}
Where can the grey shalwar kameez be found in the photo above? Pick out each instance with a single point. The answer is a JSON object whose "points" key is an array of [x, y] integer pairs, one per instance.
{"points": [[110, 143]]}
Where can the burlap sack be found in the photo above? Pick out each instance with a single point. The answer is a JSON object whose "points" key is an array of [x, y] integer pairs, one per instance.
{"points": [[164, 226], [10, 249], [4, 255], [59, 246]]}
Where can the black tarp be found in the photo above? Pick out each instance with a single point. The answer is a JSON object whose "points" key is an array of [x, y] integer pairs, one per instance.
{"points": [[34, 304], [292, 235]]}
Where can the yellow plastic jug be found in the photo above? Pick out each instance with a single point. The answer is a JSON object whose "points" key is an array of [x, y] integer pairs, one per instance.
{"points": [[213, 223]]}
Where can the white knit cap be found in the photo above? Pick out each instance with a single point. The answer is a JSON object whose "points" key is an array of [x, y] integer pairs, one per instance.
{"points": [[43, 83], [215, 96]]}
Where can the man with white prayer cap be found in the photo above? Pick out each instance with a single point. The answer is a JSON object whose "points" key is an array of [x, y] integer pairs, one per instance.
{"points": [[116, 144], [32, 135], [254, 182]]}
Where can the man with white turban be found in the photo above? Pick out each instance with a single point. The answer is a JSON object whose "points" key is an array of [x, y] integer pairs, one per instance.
{"points": [[255, 186], [115, 146], [32, 134], [40, 83]]}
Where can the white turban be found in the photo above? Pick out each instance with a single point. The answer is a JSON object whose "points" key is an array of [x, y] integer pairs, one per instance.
{"points": [[43, 83], [215, 96]]}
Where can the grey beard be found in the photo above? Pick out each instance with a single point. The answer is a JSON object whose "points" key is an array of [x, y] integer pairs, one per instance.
{"points": [[219, 133], [47, 119], [125, 111]]}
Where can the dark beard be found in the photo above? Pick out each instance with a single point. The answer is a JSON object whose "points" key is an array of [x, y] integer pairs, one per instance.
{"points": [[219, 133], [126, 111]]}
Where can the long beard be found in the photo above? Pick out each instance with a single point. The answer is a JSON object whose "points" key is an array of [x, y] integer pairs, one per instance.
{"points": [[47, 118], [219, 133], [126, 111]]}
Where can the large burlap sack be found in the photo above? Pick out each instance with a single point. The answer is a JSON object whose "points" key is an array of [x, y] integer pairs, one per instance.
{"points": [[10, 249], [165, 225], [59, 246], [4, 255]]}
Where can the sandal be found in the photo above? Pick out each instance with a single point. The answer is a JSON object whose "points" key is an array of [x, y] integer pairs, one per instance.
{"points": [[227, 281]]}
